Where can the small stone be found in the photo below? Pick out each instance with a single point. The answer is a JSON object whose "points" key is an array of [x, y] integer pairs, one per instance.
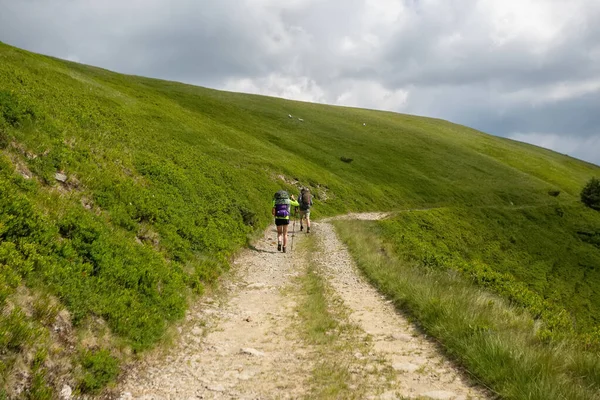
{"points": [[196, 331], [405, 367], [216, 388], [60, 177], [439, 395], [66, 392], [252, 352], [402, 337], [256, 286], [388, 396], [370, 368], [244, 376]]}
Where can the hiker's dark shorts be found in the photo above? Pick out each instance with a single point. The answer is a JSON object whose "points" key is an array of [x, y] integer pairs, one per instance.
{"points": [[280, 222]]}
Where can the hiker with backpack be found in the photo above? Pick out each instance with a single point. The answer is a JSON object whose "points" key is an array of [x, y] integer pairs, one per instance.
{"points": [[282, 204], [305, 200]]}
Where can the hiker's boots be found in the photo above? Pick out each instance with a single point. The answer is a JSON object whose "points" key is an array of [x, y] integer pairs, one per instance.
{"points": [[308, 229], [279, 247], [301, 227], [284, 249]]}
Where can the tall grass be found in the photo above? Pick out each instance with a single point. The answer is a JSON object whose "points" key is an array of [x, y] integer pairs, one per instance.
{"points": [[543, 258], [494, 341]]}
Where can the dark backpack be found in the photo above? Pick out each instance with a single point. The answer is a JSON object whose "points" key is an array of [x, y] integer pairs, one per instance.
{"points": [[282, 204], [305, 200], [281, 195]]}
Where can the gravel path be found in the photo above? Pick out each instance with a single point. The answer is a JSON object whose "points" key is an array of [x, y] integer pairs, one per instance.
{"points": [[420, 371], [241, 347], [244, 343]]}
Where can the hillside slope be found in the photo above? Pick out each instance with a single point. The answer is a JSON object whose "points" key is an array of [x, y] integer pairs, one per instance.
{"points": [[120, 196]]}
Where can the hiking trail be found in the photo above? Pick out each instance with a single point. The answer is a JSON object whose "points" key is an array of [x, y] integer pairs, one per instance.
{"points": [[244, 342]]}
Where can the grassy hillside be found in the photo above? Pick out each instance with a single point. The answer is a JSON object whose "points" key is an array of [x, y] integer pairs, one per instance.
{"points": [[544, 258], [163, 182]]}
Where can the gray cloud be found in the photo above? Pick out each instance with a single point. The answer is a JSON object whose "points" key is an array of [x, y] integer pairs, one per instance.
{"points": [[516, 68]]}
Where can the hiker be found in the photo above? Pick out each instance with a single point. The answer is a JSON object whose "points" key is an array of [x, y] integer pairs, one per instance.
{"points": [[305, 200], [282, 203]]}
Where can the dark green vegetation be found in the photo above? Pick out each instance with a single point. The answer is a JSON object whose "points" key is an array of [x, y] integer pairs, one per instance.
{"points": [[122, 196], [497, 342], [590, 194]]}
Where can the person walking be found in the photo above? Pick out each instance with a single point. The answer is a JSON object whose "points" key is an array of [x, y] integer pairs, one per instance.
{"points": [[282, 203], [305, 201]]}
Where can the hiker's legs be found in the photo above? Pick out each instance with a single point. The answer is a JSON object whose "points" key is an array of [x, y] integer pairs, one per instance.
{"points": [[306, 214], [280, 233], [285, 229]]}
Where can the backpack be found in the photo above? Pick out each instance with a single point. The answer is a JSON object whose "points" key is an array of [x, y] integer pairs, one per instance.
{"points": [[281, 195], [282, 204], [305, 200]]}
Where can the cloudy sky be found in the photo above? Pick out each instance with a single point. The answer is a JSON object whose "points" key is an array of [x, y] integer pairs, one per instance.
{"points": [[525, 69]]}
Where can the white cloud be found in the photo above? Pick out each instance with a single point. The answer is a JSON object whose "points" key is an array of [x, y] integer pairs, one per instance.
{"points": [[301, 88], [537, 22], [372, 95], [582, 148], [555, 92]]}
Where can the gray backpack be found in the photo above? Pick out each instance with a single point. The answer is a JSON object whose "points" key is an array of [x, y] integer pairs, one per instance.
{"points": [[305, 200]]}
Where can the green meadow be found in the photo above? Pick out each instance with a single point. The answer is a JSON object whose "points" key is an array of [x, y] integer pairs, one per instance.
{"points": [[122, 198]]}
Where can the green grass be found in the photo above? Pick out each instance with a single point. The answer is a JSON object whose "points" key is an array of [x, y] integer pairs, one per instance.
{"points": [[494, 340], [332, 339], [100, 368], [322, 322], [545, 258], [166, 181]]}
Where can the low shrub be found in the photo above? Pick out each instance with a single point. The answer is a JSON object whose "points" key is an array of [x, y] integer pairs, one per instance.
{"points": [[100, 368], [590, 194]]}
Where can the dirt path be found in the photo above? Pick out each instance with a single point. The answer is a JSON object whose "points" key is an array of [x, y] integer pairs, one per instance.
{"points": [[238, 347], [419, 371], [245, 343]]}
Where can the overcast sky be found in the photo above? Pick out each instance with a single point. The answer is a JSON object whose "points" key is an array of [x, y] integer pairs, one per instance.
{"points": [[524, 69]]}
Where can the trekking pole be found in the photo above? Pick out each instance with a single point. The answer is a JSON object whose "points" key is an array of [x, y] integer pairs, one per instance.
{"points": [[294, 228]]}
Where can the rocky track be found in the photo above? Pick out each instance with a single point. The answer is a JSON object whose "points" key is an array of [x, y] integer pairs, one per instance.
{"points": [[244, 342]]}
